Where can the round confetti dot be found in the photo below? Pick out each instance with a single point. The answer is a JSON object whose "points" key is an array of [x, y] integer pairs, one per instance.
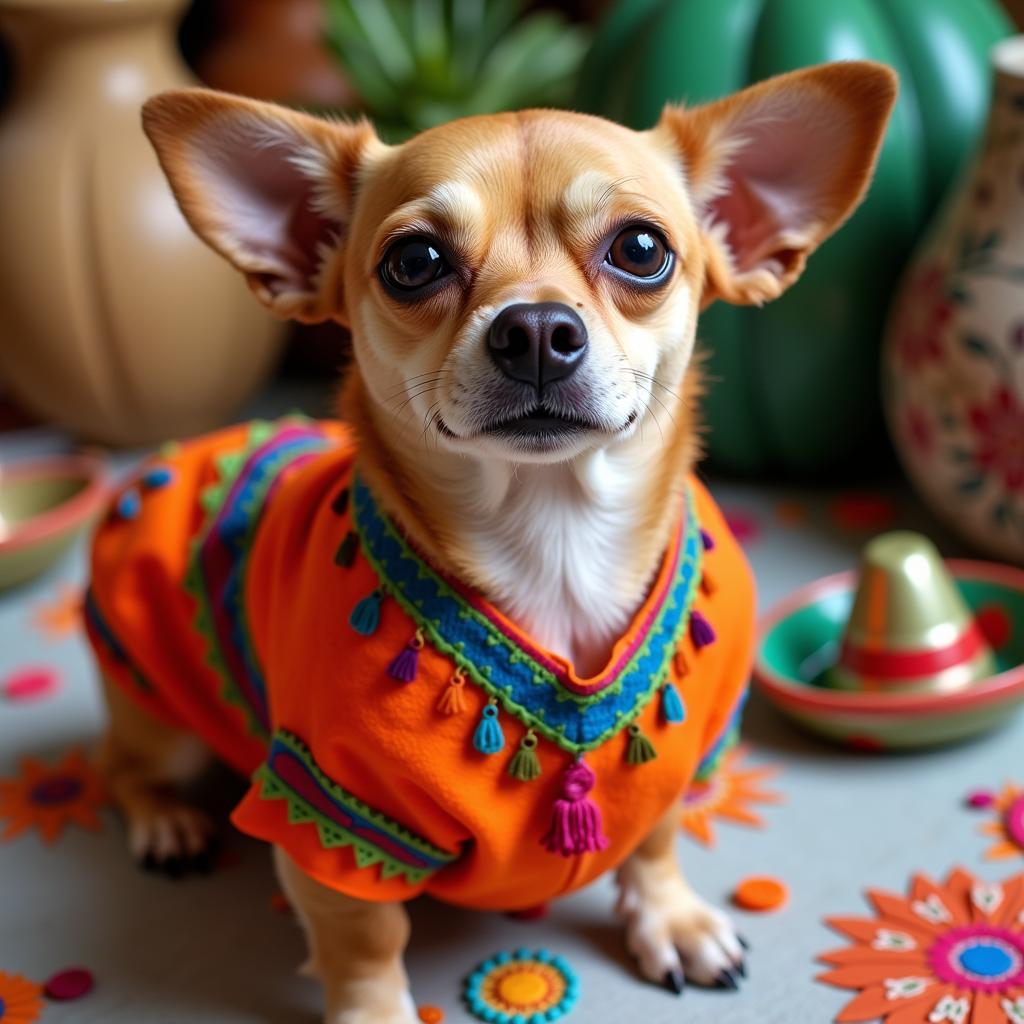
{"points": [[981, 798], [73, 983], [129, 504], [157, 476], [35, 683], [995, 625], [279, 902], [431, 1014], [760, 893], [864, 512], [743, 525]]}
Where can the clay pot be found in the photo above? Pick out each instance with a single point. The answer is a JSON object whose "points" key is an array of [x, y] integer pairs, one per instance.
{"points": [[275, 51], [115, 320], [953, 363]]}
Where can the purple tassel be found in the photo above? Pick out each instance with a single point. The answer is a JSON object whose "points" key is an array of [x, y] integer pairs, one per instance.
{"points": [[576, 822], [707, 540], [702, 632], [407, 661]]}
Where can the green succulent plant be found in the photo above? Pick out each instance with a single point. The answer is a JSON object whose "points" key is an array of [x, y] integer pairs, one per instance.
{"points": [[418, 63]]}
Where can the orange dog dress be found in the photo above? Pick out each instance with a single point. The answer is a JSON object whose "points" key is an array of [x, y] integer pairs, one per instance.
{"points": [[403, 736]]}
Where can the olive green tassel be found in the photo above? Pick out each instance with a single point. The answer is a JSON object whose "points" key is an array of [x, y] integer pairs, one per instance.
{"points": [[525, 765], [345, 556], [641, 749]]}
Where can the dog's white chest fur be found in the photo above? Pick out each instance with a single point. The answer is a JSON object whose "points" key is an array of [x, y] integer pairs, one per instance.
{"points": [[553, 549]]}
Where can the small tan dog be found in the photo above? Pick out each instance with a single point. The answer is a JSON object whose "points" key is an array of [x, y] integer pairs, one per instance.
{"points": [[523, 292]]}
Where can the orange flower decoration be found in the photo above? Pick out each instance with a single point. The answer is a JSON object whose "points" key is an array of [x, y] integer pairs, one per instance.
{"points": [[50, 797], [1008, 828], [20, 1000], [944, 954], [727, 794], [60, 617]]}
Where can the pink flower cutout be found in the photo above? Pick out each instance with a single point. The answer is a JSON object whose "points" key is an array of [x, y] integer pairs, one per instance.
{"points": [[924, 311], [999, 430]]}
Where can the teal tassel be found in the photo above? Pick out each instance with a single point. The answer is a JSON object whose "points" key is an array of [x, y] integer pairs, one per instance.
{"points": [[489, 738], [672, 709], [365, 617]]}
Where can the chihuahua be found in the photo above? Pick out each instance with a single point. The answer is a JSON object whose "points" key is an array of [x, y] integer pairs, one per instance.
{"points": [[477, 640]]}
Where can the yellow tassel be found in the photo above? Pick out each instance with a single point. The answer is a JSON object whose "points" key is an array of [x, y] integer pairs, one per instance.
{"points": [[681, 664], [453, 700]]}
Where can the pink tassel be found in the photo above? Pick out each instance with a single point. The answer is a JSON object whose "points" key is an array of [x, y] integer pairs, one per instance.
{"points": [[576, 822], [702, 632]]}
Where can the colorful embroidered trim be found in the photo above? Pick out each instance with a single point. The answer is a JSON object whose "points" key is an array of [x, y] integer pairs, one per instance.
{"points": [[216, 572], [528, 684], [726, 741], [290, 773], [106, 642]]}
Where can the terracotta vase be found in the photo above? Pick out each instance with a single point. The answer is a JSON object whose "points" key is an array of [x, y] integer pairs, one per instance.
{"points": [[274, 50], [954, 353], [115, 321]]}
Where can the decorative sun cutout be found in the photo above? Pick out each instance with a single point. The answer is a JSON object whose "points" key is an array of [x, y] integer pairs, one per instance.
{"points": [[727, 794], [1008, 828], [62, 616], [20, 1000], [522, 988], [49, 797], [944, 954]]}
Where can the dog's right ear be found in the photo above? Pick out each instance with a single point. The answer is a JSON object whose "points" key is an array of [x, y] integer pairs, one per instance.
{"points": [[269, 189]]}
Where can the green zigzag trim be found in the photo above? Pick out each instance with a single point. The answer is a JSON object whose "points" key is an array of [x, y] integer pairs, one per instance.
{"points": [[229, 465], [541, 675], [331, 834]]}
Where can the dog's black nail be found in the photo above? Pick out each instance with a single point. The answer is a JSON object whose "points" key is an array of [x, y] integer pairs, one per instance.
{"points": [[202, 863], [727, 979], [173, 867], [743, 942], [741, 968], [675, 981], [148, 862]]}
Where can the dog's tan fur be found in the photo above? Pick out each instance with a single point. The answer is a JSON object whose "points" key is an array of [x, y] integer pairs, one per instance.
{"points": [[743, 190]]}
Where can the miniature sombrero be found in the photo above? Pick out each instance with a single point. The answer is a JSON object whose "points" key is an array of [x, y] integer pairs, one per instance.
{"points": [[907, 652]]}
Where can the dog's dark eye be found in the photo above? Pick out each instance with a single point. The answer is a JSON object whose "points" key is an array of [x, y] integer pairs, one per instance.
{"points": [[639, 252], [412, 263]]}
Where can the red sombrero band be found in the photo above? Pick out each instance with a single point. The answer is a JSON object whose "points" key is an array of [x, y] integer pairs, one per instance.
{"points": [[901, 665]]}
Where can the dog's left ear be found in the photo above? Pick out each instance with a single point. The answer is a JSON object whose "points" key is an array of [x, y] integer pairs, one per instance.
{"points": [[775, 169]]}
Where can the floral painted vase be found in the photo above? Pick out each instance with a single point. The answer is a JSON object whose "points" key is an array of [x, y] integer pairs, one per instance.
{"points": [[953, 367]]}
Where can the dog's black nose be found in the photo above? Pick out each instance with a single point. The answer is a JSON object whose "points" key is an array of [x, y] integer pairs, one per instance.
{"points": [[537, 342]]}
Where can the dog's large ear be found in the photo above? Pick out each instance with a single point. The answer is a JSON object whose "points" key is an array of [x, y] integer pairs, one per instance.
{"points": [[270, 189], [775, 169]]}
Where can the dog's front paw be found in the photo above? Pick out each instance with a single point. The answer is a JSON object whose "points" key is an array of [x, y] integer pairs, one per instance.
{"points": [[676, 936], [173, 839]]}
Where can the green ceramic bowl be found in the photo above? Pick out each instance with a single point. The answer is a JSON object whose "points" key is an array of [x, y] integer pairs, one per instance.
{"points": [[44, 505], [799, 639]]}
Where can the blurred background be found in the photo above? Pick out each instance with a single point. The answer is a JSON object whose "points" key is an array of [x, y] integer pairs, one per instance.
{"points": [[900, 352]]}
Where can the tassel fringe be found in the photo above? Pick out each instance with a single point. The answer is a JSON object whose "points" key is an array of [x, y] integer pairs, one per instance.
{"points": [[525, 765], [672, 709], [488, 738], [340, 504], [702, 633], [406, 663], [641, 749], [345, 556], [453, 700], [365, 617], [576, 821]]}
